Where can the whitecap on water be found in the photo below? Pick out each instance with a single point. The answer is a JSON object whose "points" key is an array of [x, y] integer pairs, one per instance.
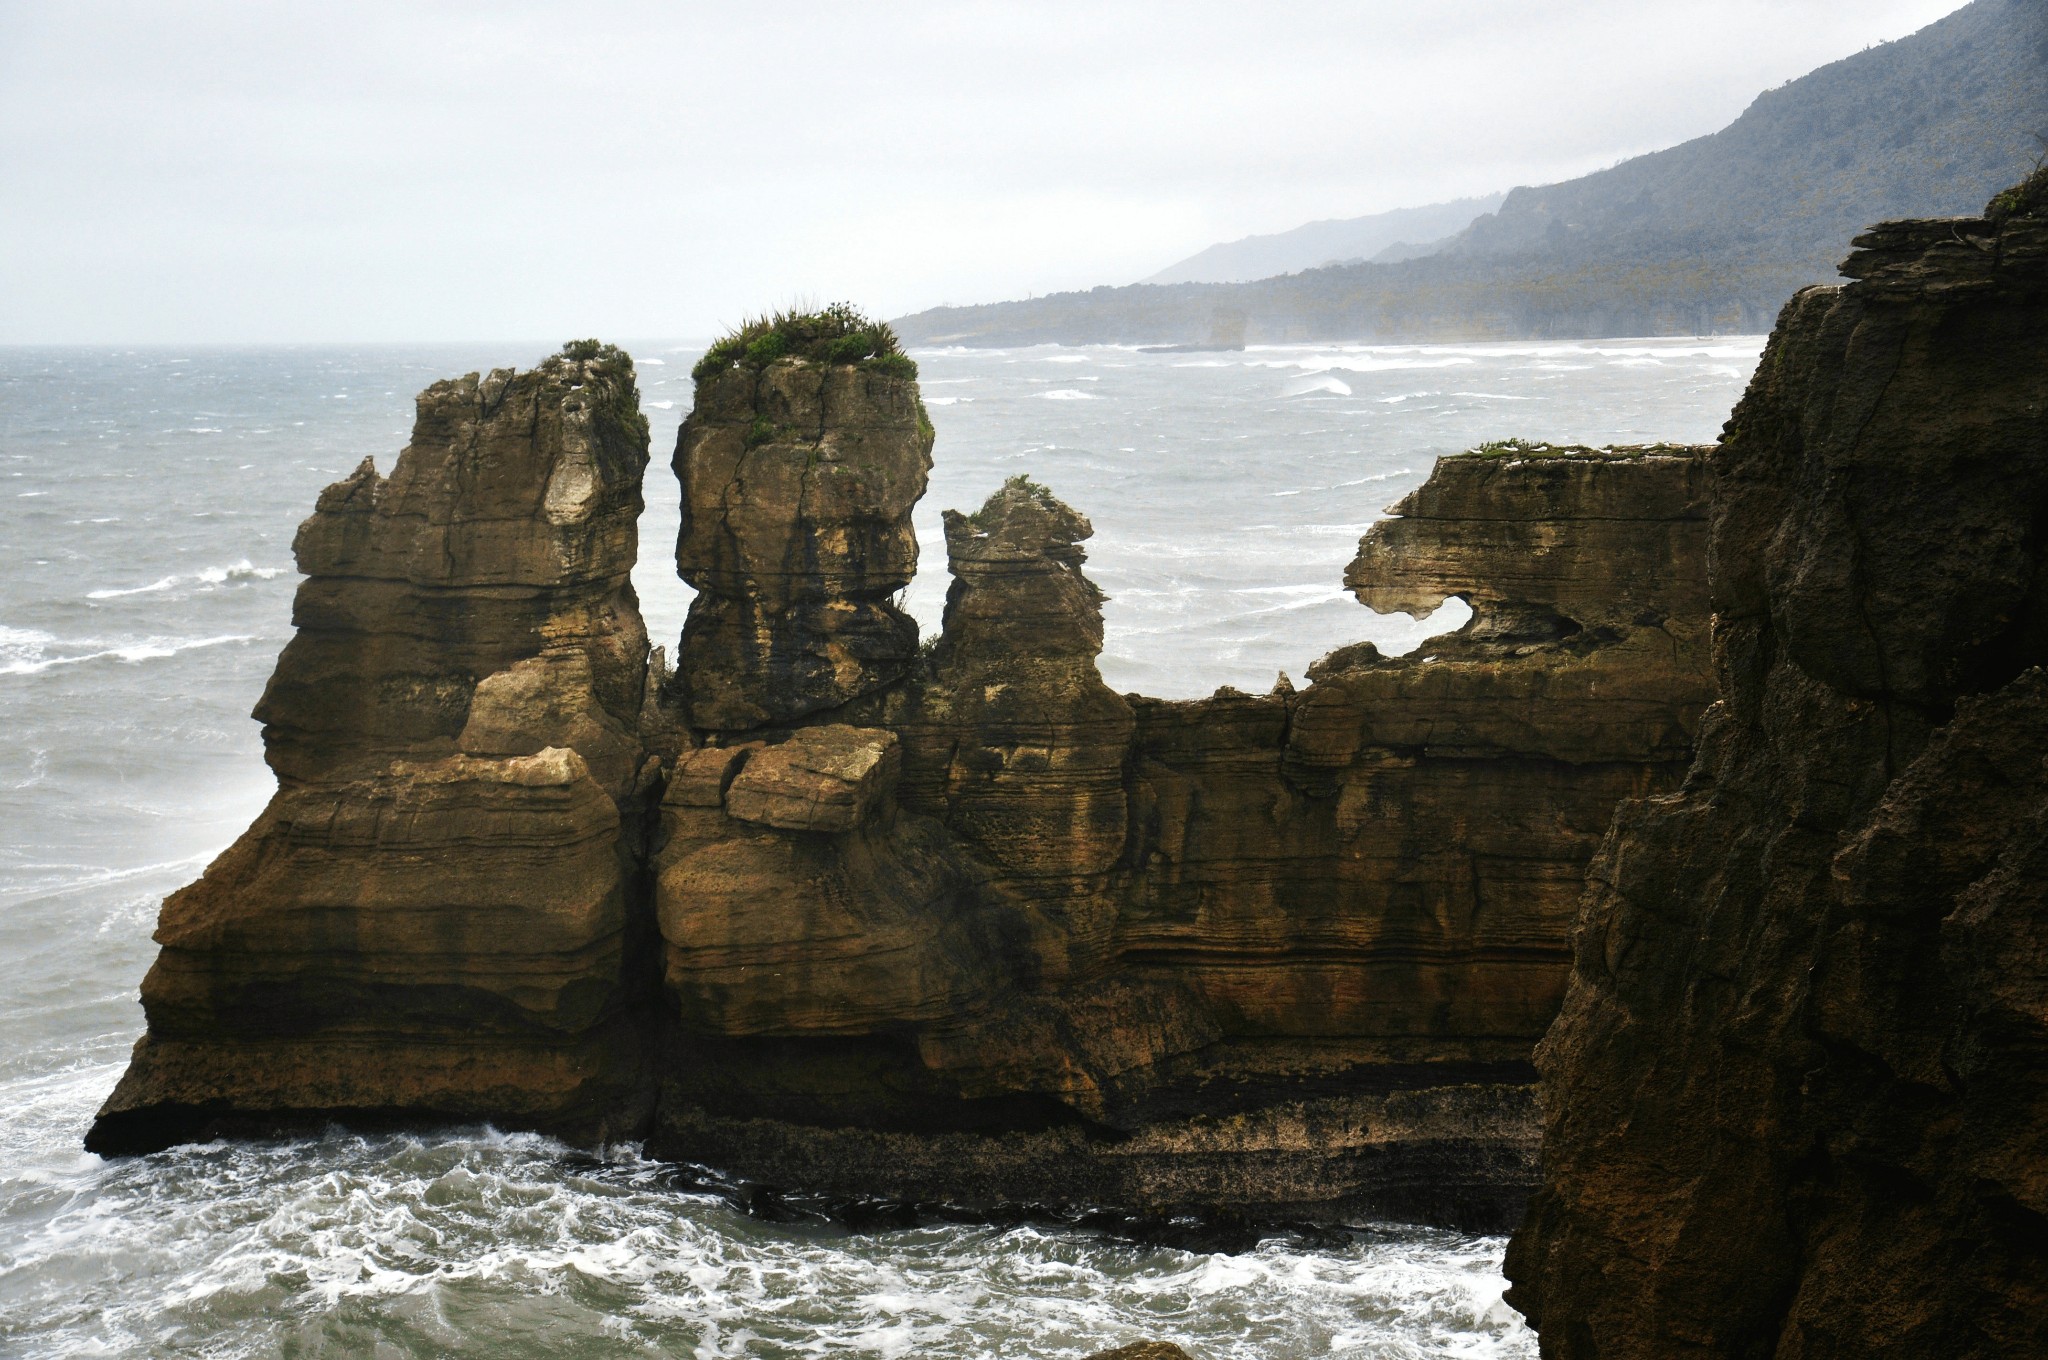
{"points": [[1303, 387], [1067, 394], [500, 1237], [131, 653], [1361, 364], [244, 570]]}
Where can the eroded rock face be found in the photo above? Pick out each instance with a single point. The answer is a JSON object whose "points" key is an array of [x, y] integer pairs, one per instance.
{"points": [[432, 916], [1339, 914], [1392, 856], [1013, 740], [1796, 1099], [798, 482], [967, 925]]}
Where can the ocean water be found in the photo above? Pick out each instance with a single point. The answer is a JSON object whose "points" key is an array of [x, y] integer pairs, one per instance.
{"points": [[147, 504]]}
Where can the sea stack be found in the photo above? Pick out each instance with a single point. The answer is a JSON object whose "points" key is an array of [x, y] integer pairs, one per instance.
{"points": [[431, 919], [800, 462], [1013, 740], [1796, 1102], [825, 909]]}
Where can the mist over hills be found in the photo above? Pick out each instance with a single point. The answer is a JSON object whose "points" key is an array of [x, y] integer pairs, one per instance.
{"points": [[1340, 241], [1710, 236]]}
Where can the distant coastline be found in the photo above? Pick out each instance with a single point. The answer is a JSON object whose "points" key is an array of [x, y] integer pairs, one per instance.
{"points": [[1706, 238]]}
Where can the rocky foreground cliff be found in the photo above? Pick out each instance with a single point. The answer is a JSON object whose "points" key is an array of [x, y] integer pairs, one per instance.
{"points": [[823, 908], [1797, 1100]]}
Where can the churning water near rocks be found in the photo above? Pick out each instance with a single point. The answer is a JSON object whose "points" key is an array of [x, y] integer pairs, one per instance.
{"points": [[147, 504]]}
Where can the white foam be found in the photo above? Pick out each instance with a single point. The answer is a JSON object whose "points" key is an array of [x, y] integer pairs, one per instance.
{"points": [[171, 869], [1068, 394], [661, 405], [162, 583], [38, 770], [132, 653], [244, 570], [1304, 387]]}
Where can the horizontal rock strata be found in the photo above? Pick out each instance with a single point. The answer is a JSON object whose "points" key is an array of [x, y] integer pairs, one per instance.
{"points": [[962, 923], [1338, 916], [435, 914], [1796, 1098], [798, 480]]}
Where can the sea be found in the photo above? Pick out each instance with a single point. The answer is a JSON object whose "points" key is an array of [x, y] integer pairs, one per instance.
{"points": [[148, 499]]}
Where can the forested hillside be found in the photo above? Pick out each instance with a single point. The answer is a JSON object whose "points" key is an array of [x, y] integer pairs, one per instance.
{"points": [[1709, 236]]}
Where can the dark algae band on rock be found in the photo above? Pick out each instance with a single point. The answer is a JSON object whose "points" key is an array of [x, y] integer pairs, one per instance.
{"points": [[836, 912], [1797, 1099]]}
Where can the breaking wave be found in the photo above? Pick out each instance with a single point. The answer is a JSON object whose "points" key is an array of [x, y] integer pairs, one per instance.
{"points": [[244, 570]]}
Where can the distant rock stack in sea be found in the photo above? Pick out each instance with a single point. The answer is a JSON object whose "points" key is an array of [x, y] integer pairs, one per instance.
{"points": [[436, 916]]}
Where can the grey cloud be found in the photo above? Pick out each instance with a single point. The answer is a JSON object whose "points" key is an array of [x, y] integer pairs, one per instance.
{"points": [[251, 171]]}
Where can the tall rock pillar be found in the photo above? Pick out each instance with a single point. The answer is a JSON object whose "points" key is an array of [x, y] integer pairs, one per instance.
{"points": [[432, 917], [798, 476]]}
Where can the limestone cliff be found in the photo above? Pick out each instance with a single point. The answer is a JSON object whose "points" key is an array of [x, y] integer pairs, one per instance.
{"points": [[1080, 927], [964, 924], [435, 916], [798, 480], [1796, 1098]]}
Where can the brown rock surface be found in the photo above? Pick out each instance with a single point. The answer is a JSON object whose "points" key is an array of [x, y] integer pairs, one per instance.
{"points": [[1144, 1350], [1393, 855], [432, 916], [1340, 915], [1796, 1098], [822, 779], [794, 900], [963, 926], [1013, 740], [798, 481]]}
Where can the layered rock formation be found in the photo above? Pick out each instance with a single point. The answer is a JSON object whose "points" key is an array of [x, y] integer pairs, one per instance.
{"points": [[1013, 740], [798, 479], [966, 925], [1086, 924], [436, 915], [1796, 1098]]}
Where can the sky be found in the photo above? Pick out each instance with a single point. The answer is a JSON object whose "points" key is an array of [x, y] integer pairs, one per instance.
{"points": [[250, 171]]}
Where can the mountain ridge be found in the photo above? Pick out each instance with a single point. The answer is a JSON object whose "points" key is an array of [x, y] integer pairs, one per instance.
{"points": [[1709, 236], [1329, 241]]}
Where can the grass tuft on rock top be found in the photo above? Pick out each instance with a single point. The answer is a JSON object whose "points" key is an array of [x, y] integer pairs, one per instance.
{"points": [[838, 334], [1019, 485], [622, 406], [2028, 198]]}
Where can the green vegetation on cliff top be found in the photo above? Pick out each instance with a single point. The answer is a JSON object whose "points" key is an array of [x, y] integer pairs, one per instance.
{"points": [[2028, 198], [838, 334], [1019, 485], [621, 404]]}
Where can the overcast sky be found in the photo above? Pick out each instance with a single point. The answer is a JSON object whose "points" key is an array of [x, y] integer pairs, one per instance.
{"points": [[255, 170]]}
